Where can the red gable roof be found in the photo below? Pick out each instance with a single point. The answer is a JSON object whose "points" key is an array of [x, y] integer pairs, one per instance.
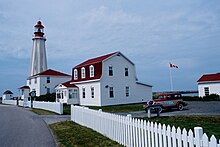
{"points": [[51, 72], [210, 78], [67, 84], [7, 92], [95, 60], [24, 87]]}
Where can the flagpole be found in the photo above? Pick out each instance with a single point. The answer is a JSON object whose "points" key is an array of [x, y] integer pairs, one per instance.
{"points": [[171, 81]]}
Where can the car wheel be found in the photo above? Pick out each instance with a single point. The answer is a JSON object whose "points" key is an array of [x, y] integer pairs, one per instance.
{"points": [[160, 109], [180, 107]]}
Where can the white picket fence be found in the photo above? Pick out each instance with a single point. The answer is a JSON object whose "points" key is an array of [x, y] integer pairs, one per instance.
{"points": [[134, 132], [50, 106], [10, 102]]}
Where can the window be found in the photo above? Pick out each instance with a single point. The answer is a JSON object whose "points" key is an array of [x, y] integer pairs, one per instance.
{"points": [[35, 80], [126, 72], [83, 71], [30, 82], [83, 93], [127, 91], [48, 79], [73, 93], [48, 90], [111, 92], [92, 92], [206, 89], [91, 69], [75, 74], [110, 71]]}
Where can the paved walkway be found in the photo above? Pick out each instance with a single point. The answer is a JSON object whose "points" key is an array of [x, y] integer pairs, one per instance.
{"points": [[22, 128]]}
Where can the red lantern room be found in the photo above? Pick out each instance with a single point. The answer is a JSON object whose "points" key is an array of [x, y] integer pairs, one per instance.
{"points": [[39, 29]]}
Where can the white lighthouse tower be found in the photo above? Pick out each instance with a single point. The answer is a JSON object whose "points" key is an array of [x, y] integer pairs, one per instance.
{"points": [[38, 58]]}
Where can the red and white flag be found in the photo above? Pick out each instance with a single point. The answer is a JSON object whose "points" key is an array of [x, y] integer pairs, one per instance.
{"points": [[173, 66]]}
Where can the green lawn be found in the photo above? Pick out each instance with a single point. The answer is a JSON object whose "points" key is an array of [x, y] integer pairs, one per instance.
{"points": [[70, 134], [120, 108], [210, 124], [43, 112]]}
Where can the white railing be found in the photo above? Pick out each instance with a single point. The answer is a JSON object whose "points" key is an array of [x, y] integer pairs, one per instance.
{"points": [[134, 132]]}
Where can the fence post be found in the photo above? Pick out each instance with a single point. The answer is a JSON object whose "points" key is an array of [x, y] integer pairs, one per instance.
{"points": [[198, 135]]}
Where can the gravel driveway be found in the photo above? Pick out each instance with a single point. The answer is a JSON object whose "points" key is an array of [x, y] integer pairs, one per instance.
{"points": [[193, 108]]}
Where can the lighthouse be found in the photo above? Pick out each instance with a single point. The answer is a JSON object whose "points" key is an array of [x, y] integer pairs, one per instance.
{"points": [[38, 59]]}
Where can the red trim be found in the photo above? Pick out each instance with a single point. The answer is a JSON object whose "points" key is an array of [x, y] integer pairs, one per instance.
{"points": [[209, 78], [24, 87], [7, 92], [51, 72], [67, 84]]}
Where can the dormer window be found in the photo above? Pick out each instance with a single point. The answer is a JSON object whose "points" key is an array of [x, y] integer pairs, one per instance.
{"points": [[91, 69], [83, 71], [75, 74]]}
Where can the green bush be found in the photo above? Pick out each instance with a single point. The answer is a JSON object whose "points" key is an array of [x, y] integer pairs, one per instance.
{"points": [[50, 97], [211, 97]]}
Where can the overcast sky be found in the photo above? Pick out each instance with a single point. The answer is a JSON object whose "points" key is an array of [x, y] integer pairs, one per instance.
{"points": [[150, 33]]}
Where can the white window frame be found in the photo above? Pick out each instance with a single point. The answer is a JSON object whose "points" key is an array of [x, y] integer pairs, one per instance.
{"points": [[83, 72], [111, 89], [83, 92], [48, 80], [127, 91], [110, 71], [75, 73], [92, 92], [126, 72], [91, 70]]}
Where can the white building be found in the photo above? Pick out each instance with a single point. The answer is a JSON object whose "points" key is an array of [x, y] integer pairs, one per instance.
{"points": [[46, 81], [67, 93], [24, 92], [7, 95], [209, 84], [109, 80]]}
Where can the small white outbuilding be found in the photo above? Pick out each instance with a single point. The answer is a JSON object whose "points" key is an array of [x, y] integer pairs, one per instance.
{"points": [[209, 84], [7, 95]]}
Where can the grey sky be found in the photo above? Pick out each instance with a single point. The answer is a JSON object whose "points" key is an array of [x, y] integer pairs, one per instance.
{"points": [[150, 33]]}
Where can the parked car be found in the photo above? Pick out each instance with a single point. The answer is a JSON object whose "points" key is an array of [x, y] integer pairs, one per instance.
{"points": [[168, 101]]}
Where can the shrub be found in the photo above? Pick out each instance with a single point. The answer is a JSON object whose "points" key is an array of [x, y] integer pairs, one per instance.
{"points": [[50, 97], [211, 97]]}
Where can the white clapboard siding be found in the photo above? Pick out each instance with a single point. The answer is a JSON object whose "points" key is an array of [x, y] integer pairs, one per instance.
{"points": [[133, 132]]}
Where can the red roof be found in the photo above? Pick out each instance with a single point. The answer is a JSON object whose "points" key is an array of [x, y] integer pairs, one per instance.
{"points": [[7, 92], [51, 72], [67, 84], [95, 60], [24, 87], [210, 78]]}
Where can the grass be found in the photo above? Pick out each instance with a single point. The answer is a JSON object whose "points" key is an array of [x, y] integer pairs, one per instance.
{"points": [[70, 134], [66, 109], [43, 112], [210, 124], [120, 108]]}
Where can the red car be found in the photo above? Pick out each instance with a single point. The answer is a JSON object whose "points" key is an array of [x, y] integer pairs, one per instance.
{"points": [[168, 101]]}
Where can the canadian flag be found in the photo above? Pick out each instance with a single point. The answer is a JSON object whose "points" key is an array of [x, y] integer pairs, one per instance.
{"points": [[172, 65]]}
